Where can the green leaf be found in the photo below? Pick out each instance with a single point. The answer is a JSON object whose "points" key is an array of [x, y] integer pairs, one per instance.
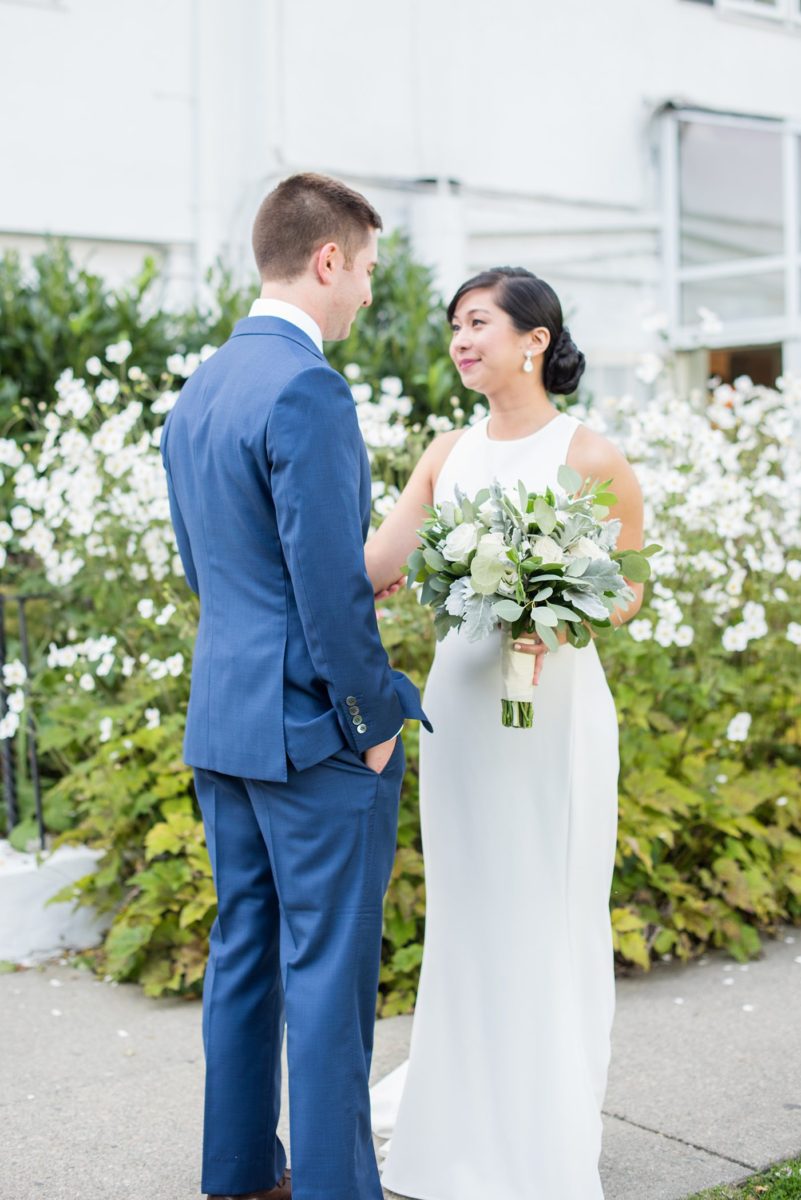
{"points": [[544, 616], [486, 574], [507, 610], [635, 567], [564, 614], [548, 636], [545, 515], [415, 564], [569, 480], [434, 559]]}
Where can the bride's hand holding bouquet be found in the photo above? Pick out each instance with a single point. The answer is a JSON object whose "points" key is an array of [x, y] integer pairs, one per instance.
{"points": [[534, 564]]}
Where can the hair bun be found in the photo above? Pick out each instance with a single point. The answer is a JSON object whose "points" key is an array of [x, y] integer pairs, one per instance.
{"points": [[564, 365]]}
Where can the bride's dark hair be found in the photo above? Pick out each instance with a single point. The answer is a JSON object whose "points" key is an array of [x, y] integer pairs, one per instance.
{"points": [[531, 303]]}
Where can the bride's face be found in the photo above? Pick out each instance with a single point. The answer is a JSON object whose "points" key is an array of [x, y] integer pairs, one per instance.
{"points": [[486, 348]]}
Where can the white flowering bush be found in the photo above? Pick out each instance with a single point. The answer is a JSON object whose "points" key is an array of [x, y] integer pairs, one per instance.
{"points": [[707, 678]]}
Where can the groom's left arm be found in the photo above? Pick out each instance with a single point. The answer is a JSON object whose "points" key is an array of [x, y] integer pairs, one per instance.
{"points": [[315, 452]]}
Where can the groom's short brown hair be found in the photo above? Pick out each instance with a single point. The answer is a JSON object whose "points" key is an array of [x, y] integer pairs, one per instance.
{"points": [[301, 215]]}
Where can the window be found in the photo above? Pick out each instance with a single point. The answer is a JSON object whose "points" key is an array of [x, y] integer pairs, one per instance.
{"points": [[732, 227], [763, 364]]}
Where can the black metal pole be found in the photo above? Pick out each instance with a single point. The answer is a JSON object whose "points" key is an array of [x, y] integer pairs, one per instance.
{"points": [[33, 757], [7, 745]]}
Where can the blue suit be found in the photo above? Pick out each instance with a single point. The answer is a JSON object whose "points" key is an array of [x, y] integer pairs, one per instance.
{"points": [[269, 486]]}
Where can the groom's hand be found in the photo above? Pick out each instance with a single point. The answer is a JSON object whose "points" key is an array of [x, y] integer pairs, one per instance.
{"points": [[377, 757]]}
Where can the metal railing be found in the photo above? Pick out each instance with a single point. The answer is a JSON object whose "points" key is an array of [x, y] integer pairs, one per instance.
{"points": [[7, 746]]}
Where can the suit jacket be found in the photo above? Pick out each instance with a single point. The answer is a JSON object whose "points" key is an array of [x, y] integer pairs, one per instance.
{"points": [[269, 486]]}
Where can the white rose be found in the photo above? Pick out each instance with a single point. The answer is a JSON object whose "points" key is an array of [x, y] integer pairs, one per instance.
{"points": [[585, 548], [547, 549], [460, 542]]}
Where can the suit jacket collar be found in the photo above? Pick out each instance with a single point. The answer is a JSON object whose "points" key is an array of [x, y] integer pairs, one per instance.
{"points": [[276, 327]]}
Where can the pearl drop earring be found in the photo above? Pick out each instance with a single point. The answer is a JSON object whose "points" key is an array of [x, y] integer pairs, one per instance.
{"points": [[528, 365]]}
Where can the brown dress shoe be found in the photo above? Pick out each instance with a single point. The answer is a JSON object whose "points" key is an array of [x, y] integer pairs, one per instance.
{"points": [[281, 1191]]}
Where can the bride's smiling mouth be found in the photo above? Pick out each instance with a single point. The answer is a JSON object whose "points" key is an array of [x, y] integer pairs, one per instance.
{"points": [[465, 363]]}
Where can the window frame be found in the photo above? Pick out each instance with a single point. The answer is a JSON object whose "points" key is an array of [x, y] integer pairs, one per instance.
{"points": [[755, 330], [786, 12]]}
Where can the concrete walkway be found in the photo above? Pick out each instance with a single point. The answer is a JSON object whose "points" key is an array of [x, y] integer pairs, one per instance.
{"points": [[101, 1089]]}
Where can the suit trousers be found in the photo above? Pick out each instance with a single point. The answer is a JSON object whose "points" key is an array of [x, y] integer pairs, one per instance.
{"points": [[300, 869]]}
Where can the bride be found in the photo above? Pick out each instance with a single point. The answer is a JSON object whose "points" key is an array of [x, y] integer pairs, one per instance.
{"points": [[502, 1092]]}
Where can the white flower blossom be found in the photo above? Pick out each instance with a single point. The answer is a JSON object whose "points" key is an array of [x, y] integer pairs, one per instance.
{"points": [[735, 639], [21, 517], [641, 629], [460, 542], [145, 607], [94, 366], [739, 727], [118, 351], [8, 726], [107, 391], [16, 701], [14, 674], [87, 682], [152, 718], [794, 633], [106, 726]]}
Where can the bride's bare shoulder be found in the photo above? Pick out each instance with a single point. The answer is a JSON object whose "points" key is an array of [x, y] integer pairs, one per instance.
{"points": [[594, 455]]}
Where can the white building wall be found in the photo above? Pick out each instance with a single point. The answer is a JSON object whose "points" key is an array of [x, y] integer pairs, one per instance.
{"points": [[158, 125]]}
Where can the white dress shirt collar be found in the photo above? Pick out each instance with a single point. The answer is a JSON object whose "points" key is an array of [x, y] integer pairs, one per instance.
{"points": [[289, 312]]}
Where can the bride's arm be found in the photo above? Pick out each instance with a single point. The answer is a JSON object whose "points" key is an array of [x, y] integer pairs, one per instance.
{"points": [[596, 458], [388, 548]]}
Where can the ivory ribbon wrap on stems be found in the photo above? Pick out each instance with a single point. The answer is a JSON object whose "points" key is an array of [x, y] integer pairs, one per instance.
{"points": [[517, 697]]}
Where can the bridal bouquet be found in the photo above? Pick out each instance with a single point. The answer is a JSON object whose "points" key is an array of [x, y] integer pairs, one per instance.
{"points": [[528, 563]]}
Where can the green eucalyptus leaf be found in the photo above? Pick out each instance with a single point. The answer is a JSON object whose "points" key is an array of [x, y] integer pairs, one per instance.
{"points": [[434, 559], [545, 515], [547, 634], [635, 567], [544, 616], [507, 610], [568, 479]]}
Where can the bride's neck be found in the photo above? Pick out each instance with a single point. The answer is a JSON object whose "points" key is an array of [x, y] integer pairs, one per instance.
{"points": [[519, 410]]}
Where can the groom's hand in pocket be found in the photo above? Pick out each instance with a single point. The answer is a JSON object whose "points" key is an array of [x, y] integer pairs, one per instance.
{"points": [[377, 757]]}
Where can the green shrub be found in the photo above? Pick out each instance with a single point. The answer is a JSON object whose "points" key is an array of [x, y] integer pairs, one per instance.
{"points": [[707, 680]]}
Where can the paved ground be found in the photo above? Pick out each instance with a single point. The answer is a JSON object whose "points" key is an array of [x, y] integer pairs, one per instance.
{"points": [[100, 1088]]}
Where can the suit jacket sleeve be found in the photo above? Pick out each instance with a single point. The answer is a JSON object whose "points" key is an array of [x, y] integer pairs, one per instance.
{"points": [[181, 535], [315, 452]]}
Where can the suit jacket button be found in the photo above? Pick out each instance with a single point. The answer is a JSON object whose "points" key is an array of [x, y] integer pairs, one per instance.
{"points": [[353, 710], [351, 700], [357, 720], [361, 728]]}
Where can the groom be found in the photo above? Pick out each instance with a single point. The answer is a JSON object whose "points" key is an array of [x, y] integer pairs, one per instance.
{"points": [[294, 713]]}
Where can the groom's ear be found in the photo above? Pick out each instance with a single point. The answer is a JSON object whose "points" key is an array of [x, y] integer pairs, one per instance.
{"points": [[325, 263]]}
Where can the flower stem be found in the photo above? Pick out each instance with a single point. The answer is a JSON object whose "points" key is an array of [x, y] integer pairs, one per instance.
{"points": [[517, 714]]}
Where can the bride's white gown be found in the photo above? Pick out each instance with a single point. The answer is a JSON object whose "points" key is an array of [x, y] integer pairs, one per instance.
{"points": [[502, 1093]]}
